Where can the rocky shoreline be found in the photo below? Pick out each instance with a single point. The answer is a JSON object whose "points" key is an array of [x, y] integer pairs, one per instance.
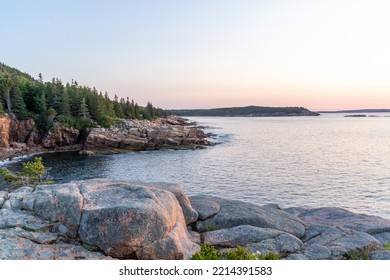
{"points": [[18, 138], [103, 219]]}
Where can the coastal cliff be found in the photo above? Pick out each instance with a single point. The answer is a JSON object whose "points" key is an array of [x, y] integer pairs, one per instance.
{"points": [[22, 137], [103, 219]]}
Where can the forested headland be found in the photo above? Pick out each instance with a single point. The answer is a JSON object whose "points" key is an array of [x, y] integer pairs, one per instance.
{"points": [[247, 111], [23, 97]]}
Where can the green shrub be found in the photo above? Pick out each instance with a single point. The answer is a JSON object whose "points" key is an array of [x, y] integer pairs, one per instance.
{"points": [[386, 245], [240, 253], [32, 174], [360, 254], [208, 252], [211, 228]]}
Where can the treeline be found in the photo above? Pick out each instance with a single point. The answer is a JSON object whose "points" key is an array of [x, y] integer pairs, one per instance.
{"points": [[22, 97], [248, 111]]}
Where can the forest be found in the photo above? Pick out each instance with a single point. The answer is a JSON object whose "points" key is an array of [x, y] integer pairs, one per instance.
{"points": [[247, 111], [23, 97]]}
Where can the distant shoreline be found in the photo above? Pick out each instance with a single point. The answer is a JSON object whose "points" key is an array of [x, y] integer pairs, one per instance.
{"points": [[247, 111], [357, 111]]}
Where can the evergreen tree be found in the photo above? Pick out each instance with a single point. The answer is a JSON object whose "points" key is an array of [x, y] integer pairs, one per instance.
{"points": [[65, 106], [137, 113], [149, 111], [118, 108], [18, 105], [6, 84], [83, 110]]}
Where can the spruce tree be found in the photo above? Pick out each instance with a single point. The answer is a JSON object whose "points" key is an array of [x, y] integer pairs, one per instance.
{"points": [[83, 110], [65, 106], [18, 105], [6, 84]]}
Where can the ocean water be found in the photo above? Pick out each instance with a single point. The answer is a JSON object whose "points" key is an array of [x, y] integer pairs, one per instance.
{"points": [[328, 160]]}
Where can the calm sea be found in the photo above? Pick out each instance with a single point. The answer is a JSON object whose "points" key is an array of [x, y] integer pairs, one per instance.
{"points": [[328, 160]]}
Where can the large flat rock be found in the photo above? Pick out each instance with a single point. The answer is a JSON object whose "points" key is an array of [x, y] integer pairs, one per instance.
{"points": [[338, 217], [16, 245], [256, 239], [235, 213]]}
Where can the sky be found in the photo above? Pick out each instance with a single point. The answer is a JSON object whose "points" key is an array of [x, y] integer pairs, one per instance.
{"points": [[322, 55]]}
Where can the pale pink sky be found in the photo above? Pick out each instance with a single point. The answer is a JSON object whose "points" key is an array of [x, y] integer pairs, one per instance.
{"points": [[323, 55]]}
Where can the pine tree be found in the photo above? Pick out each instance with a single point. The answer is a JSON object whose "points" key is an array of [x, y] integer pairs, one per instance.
{"points": [[83, 110]]}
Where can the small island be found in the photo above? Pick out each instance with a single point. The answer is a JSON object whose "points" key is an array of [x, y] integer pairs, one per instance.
{"points": [[247, 111]]}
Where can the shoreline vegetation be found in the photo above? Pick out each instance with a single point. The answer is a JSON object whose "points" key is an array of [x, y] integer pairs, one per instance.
{"points": [[39, 117]]}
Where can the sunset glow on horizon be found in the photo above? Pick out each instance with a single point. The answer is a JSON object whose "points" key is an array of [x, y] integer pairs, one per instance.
{"points": [[322, 55]]}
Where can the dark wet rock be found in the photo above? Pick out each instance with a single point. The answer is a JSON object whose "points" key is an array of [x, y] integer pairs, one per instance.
{"points": [[205, 206], [235, 213]]}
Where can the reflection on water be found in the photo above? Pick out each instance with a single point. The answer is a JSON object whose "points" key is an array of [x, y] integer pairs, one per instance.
{"points": [[293, 161]]}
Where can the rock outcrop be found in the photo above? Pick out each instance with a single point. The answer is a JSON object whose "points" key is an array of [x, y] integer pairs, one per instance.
{"points": [[20, 137], [63, 136], [112, 219], [295, 233], [4, 132], [134, 135], [103, 219]]}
